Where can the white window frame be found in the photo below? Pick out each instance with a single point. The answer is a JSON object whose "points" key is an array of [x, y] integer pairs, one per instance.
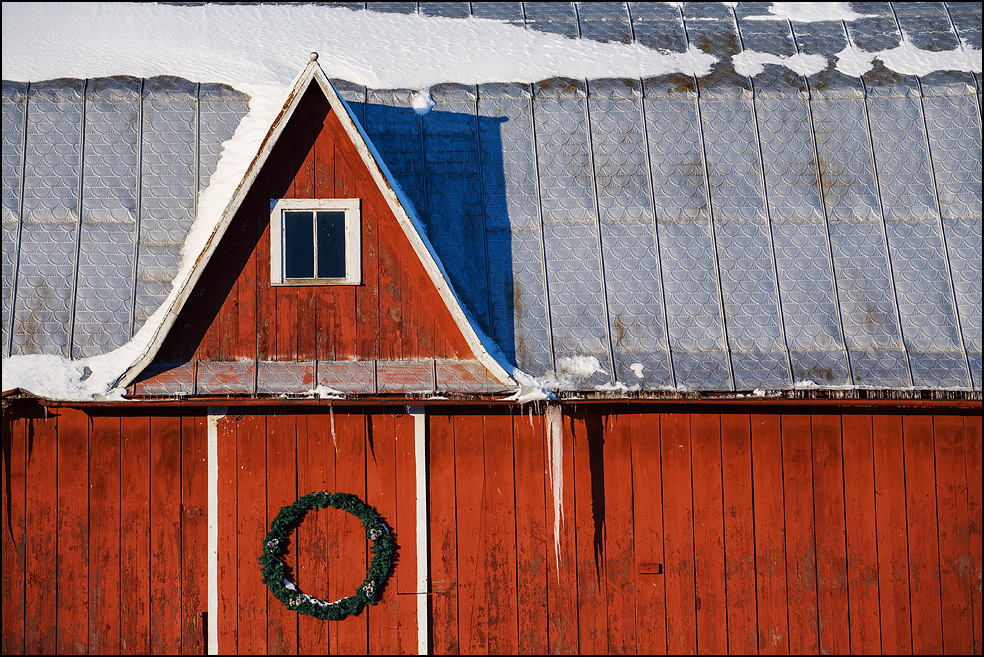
{"points": [[353, 239]]}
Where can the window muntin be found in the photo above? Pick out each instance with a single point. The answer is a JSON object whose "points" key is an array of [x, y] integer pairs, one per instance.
{"points": [[315, 242]]}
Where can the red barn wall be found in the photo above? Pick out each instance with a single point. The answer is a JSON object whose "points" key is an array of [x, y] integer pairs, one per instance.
{"points": [[235, 313], [710, 529]]}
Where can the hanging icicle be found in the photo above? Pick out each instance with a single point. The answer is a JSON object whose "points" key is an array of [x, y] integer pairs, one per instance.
{"points": [[555, 464]]}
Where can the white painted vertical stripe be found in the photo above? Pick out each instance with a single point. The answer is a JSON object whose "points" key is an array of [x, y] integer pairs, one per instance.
{"points": [[214, 413], [423, 575]]}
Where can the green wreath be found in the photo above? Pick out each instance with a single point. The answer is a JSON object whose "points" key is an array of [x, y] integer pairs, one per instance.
{"points": [[278, 539]]}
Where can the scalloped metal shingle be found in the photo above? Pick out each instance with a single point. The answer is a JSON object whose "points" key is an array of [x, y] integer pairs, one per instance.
{"points": [[713, 234]]}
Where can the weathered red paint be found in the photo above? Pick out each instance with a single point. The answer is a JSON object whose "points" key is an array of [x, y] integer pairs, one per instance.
{"points": [[891, 498], [647, 523], [739, 534], [770, 535], [893, 558], [41, 515], [831, 538], [135, 530], [862, 549]]}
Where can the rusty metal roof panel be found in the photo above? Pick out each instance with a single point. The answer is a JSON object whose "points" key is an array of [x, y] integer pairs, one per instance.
{"points": [[282, 377], [347, 377], [234, 378], [405, 376], [166, 379], [465, 376]]}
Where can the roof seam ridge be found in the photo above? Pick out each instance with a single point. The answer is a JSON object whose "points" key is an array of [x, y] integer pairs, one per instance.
{"points": [[884, 224], [78, 229], [20, 223], [601, 245], [710, 215], [138, 210], [826, 220], [781, 316], [939, 211], [552, 354], [656, 250], [482, 206]]}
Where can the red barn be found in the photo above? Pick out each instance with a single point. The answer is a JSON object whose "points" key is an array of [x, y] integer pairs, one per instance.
{"points": [[600, 407]]}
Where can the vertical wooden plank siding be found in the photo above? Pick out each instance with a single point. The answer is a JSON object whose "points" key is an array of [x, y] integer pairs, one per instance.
{"points": [[500, 504], [709, 549], [315, 472], [349, 561], [247, 313], [110, 511], [923, 534], [194, 532], [862, 547], [532, 531], [472, 527], [620, 561], [678, 539], [41, 516], [562, 609], [404, 496], [831, 540], [135, 533], [305, 183], [952, 488], [647, 520], [165, 534], [381, 493], [14, 530], [227, 430], [72, 601], [367, 297], [890, 519], [443, 535], [801, 564], [972, 435], [770, 532], [252, 526], [590, 529], [281, 483], [739, 534], [104, 532]]}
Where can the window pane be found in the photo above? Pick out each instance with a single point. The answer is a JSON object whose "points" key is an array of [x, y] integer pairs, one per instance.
{"points": [[298, 245], [331, 245]]}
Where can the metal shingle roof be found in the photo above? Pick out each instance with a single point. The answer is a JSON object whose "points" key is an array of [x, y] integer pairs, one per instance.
{"points": [[724, 233]]}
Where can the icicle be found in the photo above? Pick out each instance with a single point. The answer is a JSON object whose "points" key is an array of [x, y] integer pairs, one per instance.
{"points": [[555, 463], [331, 412], [531, 417]]}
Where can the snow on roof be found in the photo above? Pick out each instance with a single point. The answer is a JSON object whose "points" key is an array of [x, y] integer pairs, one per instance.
{"points": [[261, 49]]}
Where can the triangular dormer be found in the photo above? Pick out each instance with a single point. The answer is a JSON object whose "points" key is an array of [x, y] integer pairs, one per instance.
{"points": [[318, 277]]}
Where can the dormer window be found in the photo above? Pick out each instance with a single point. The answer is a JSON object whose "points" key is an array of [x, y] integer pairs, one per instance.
{"points": [[315, 241]]}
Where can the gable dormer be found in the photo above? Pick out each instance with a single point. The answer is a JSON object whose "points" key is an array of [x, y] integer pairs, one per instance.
{"points": [[319, 275]]}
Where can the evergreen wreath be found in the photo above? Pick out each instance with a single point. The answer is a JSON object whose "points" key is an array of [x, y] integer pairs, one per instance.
{"points": [[278, 539]]}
